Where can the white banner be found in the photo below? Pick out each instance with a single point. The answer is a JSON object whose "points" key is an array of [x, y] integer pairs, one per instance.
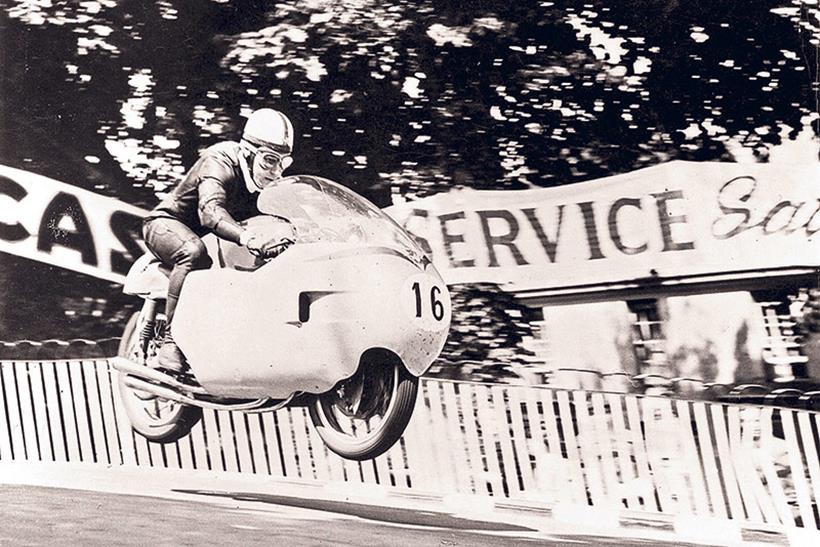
{"points": [[679, 220], [56, 223]]}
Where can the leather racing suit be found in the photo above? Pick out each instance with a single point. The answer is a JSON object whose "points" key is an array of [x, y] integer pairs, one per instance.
{"points": [[213, 197]]}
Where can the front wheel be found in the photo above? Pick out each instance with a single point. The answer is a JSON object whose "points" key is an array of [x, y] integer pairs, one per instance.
{"points": [[156, 419], [364, 415]]}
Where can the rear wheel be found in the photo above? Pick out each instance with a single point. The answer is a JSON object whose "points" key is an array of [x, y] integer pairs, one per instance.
{"points": [[364, 415], [156, 419]]}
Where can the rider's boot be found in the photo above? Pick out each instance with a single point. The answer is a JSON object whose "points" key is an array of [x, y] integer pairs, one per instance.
{"points": [[169, 356]]}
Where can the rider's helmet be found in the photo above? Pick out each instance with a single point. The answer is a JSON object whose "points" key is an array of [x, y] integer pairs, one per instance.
{"points": [[269, 134], [268, 128]]}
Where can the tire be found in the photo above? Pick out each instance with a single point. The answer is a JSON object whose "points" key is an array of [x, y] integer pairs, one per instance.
{"points": [[399, 408], [161, 425]]}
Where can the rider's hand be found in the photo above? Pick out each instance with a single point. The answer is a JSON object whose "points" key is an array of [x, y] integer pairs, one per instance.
{"points": [[272, 249], [252, 242], [264, 247]]}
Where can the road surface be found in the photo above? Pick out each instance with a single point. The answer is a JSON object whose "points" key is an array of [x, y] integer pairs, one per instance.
{"points": [[33, 515]]}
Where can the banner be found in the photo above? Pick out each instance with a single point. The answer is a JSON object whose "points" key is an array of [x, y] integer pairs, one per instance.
{"points": [[679, 221], [56, 223]]}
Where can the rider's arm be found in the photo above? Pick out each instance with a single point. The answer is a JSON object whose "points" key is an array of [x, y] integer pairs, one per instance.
{"points": [[212, 212], [213, 199]]}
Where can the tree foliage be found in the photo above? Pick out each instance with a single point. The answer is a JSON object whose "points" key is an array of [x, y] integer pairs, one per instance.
{"points": [[396, 99]]}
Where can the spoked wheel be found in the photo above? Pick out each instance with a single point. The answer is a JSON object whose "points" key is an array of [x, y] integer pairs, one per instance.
{"points": [[363, 416], [155, 418]]}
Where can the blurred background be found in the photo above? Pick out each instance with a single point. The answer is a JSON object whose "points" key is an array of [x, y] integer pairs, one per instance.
{"points": [[397, 100]]}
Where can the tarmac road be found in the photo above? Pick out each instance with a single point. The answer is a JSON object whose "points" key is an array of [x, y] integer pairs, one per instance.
{"points": [[33, 515]]}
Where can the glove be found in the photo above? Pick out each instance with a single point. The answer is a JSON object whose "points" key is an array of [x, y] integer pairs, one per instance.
{"points": [[262, 248], [274, 248], [251, 241]]}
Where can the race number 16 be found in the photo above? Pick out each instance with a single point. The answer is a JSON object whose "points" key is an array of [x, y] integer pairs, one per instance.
{"points": [[426, 302], [436, 307]]}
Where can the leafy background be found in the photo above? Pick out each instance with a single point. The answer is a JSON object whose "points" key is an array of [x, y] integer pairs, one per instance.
{"points": [[395, 99]]}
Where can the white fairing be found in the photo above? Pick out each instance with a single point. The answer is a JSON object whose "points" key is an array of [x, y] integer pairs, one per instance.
{"points": [[303, 321], [145, 279], [353, 281]]}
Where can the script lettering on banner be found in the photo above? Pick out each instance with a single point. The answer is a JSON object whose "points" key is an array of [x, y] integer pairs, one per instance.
{"points": [[59, 224], [678, 221]]}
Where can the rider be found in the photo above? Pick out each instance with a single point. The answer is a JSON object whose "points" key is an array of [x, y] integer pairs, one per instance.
{"points": [[216, 194]]}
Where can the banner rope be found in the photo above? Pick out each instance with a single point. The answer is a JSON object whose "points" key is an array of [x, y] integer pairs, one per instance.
{"points": [[37, 343]]}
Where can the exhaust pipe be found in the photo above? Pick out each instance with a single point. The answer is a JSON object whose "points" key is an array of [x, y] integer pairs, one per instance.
{"points": [[140, 378], [159, 391], [132, 369], [167, 393]]}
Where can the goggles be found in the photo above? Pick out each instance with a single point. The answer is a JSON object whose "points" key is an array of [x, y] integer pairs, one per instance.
{"points": [[269, 159]]}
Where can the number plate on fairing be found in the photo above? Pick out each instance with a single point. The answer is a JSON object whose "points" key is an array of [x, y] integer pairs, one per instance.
{"points": [[426, 301]]}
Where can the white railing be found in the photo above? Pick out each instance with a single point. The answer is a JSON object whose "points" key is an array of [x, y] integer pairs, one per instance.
{"points": [[745, 464]]}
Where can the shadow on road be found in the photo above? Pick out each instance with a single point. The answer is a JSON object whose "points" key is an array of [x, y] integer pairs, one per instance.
{"points": [[370, 512]]}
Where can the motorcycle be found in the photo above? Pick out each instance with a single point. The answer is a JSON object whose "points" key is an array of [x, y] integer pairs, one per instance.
{"points": [[343, 321]]}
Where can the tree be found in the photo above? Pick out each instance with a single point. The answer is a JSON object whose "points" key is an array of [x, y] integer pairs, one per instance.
{"points": [[395, 99]]}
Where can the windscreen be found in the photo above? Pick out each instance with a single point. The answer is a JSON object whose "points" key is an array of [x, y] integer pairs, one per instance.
{"points": [[323, 211]]}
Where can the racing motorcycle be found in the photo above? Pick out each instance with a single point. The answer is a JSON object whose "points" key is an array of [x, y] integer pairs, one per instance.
{"points": [[343, 321]]}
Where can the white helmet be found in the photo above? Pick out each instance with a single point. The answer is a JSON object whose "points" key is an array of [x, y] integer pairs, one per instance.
{"points": [[269, 128]]}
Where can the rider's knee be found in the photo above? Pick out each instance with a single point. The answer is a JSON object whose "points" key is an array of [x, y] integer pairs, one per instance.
{"points": [[196, 254]]}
